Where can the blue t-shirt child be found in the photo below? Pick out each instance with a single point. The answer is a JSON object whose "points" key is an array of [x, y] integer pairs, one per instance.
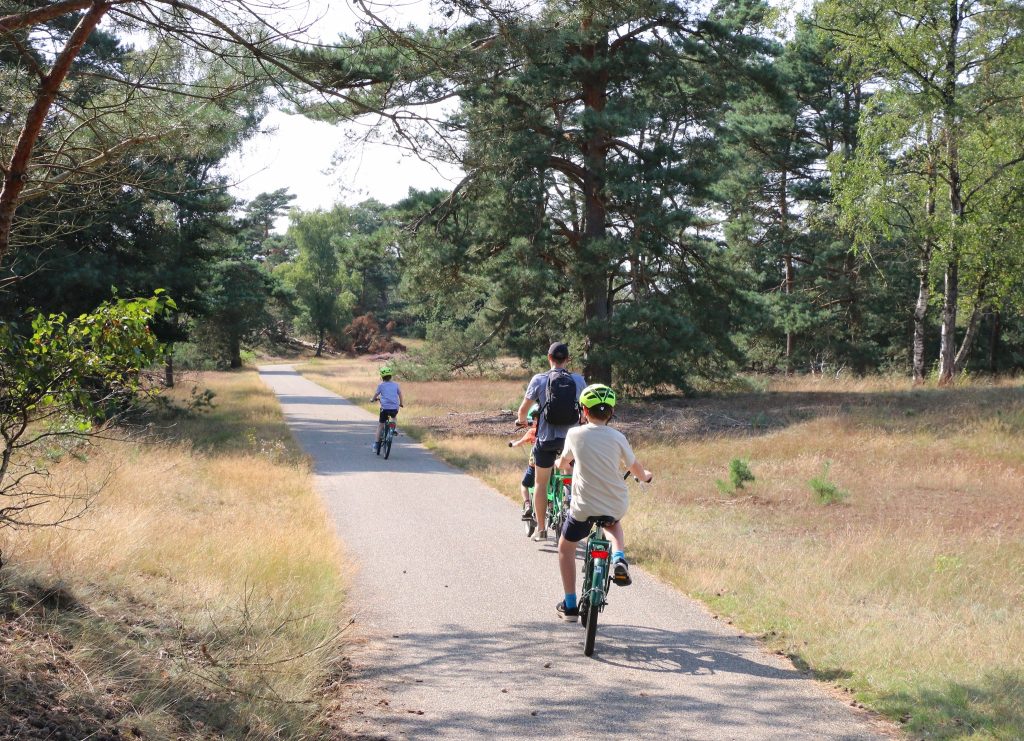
{"points": [[387, 392]]}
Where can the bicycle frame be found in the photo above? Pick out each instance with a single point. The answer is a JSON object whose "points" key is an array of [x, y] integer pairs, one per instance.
{"points": [[597, 577]]}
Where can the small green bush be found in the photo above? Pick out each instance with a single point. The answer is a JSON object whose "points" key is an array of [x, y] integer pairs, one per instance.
{"points": [[739, 474], [825, 491]]}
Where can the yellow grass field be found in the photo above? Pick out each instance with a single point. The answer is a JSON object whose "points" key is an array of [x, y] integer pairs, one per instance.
{"points": [[908, 593], [200, 596]]}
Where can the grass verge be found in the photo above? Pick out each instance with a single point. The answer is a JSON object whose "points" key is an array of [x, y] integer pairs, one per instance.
{"points": [[908, 592], [198, 597]]}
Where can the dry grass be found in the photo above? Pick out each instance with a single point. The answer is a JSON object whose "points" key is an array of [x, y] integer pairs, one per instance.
{"points": [[202, 590], [910, 594]]}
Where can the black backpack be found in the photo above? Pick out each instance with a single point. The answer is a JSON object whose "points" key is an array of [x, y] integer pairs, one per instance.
{"points": [[560, 405]]}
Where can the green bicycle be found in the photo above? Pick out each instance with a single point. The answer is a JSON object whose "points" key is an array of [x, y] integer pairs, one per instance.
{"points": [[389, 437], [597, 578], [559, 491]]}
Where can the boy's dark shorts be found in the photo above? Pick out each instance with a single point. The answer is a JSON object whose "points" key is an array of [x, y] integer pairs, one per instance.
{"points": [[385, 413], [529, 476], [575, 531], [545, 453]]}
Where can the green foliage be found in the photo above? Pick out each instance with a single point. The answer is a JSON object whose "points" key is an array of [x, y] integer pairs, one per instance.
{"points": [[739, 475], [60, 379], [825, 490]]}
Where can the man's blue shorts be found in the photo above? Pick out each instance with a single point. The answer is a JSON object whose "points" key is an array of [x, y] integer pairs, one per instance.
{"points": [[545, 453]]}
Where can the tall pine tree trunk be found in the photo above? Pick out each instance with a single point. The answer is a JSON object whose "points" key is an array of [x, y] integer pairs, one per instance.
{"points": [[235, 348], [596, 308], [16, 170]]}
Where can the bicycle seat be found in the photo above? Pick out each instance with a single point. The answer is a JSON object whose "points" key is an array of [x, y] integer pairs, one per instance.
{"points": [[602, 520]]}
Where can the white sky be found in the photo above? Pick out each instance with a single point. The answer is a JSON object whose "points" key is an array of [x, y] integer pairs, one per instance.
{"points": [[305, 157]]}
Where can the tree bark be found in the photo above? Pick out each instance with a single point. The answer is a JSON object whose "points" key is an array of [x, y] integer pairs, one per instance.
{"points": [[235, 346], [789, 277], [993, 345], [17, 169], [947, 349], [924, 274], [596, 308], [169, 371], [960, 362]]}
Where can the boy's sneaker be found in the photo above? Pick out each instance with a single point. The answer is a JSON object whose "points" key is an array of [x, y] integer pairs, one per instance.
{"points": [[540, 535], [568, 614], [376, 447], [620, 574]]}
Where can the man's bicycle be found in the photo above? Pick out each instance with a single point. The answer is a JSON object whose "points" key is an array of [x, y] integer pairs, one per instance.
{"points": [[390, 430]]}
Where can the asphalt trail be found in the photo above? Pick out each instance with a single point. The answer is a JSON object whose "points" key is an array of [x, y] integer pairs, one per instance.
{"points": [[456, 623]]}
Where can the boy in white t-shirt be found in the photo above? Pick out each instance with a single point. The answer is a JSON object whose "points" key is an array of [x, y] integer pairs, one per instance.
{"points": [[390, 396], [600, 454]]}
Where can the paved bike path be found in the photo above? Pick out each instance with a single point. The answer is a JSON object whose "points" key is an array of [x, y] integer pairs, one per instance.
{"points": [[457, 636]]}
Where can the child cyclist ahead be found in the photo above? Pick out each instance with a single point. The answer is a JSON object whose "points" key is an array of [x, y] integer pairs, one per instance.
{"points": [[390, 396], [600, 454], [530, 474]]}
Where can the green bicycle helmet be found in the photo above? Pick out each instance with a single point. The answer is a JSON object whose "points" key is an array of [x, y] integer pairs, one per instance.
{"points": [[597, 394], [386, 371]]}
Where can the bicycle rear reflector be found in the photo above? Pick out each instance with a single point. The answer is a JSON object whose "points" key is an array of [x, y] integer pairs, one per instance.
{"points": [[599, 554], [567, 480]]}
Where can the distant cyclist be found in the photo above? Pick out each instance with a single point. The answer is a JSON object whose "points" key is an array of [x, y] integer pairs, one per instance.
{"points": [[390, 396], [600, 454], [557, 394]]}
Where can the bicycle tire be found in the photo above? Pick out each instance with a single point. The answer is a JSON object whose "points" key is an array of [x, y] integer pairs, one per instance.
{"points": [[388, 437], [588, 644]]}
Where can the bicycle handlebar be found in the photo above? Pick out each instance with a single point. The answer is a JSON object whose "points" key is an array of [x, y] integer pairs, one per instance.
{"points": [[625, 476]]}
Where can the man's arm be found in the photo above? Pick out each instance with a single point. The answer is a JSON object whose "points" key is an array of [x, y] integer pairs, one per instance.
{"points": [[523, 409]]}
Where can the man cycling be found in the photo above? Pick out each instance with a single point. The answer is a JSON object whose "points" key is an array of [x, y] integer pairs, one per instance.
{"points": [[550, 434]]}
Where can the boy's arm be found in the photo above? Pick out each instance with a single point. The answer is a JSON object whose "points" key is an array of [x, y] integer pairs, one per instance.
{"points": [[564, 462], [401, 399], [640, 472]]}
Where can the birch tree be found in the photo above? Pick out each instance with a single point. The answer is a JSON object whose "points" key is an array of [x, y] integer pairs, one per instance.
{"points": [[946, 133]]}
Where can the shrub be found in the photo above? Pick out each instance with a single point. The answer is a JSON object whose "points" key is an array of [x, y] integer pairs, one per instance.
{"points": [[826, 491], [739, 474]]}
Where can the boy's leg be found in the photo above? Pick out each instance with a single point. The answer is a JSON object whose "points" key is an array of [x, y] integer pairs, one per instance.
{"points": [[617, 536], [567, 565], [620, 573]]}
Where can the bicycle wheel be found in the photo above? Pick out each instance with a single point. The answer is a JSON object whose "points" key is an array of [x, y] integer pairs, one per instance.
{"points": [[388, 437], [591, 624]]}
